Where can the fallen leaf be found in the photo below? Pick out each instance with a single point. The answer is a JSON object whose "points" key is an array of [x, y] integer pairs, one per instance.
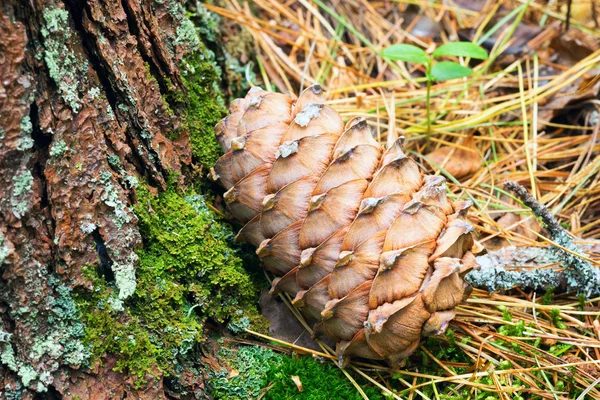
{"points": [[463, 161], [590, 370], [298, 382], [573, 46], [233, 373], [521, 224]]}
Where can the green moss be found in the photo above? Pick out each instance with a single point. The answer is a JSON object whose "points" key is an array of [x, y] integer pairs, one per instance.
{"points": [[200, 103], [166, 105], [261, 371], [320, 381], [239, 45], [204, 106], [187, 243], [110, 331], [189, 270]]}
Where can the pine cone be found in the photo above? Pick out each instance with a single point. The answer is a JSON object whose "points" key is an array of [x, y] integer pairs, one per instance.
{"points": [[370, 249]]}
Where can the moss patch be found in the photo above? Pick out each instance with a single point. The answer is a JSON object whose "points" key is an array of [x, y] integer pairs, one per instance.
{"points": [[232, 46], [204, 106], [189, 271], [261, 371]]}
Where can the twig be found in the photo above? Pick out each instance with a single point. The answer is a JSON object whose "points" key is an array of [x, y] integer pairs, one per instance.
{"points": [[538, 209], [523, 267], [575, 272]]}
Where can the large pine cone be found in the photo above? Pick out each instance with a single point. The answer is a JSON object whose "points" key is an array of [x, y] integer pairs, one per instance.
{"points": [[370, 249]]}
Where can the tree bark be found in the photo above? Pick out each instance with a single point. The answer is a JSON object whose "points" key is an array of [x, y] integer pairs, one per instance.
{"points": [[83, 118]]}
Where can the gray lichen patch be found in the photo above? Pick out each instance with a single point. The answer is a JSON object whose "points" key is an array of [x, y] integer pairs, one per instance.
{"points": [[115, 163], [499, 278], [186, 33], [22, 183], [123, 269], [26, 125], [123, 215], [25, 143], [58, 148], [64, 66], [580, 274], [125, 278], [94, 93], [25, 140], [21, 193], [524, 267], [4, 250], [88, 227], [577, 272], [310, 111], [131, 181], [123, 107], [58, 340]]}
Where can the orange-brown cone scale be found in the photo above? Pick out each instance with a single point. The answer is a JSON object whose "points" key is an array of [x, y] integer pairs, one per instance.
{"points": [[370, 249]]}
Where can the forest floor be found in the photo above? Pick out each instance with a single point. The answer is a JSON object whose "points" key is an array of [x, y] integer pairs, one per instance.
{"points": [[529, 113]]}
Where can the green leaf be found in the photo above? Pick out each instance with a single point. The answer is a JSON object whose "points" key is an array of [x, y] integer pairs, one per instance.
{"points": [[445, 70], [461, 49], [405, 52]]}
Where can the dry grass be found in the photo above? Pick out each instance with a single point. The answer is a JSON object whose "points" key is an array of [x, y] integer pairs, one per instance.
{"points": [[534, 119]]}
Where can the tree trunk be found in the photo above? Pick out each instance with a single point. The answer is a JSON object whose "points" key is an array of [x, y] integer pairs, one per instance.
{"points": [[93, 100]]}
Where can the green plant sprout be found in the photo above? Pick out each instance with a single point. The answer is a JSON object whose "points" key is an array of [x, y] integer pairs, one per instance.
{"points": [[440, 70]]}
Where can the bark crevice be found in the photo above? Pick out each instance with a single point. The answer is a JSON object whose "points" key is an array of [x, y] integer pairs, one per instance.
{"points": [[88, 41], [104, 267], [154, 69]]}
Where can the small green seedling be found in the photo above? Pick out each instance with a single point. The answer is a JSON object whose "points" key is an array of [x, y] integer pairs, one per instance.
{"points": [[439, 70]]}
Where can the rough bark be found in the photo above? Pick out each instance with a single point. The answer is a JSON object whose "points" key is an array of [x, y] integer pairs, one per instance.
{"points": [[83, 118]]}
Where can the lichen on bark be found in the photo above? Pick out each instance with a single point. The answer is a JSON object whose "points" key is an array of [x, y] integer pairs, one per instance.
{"points": [[64, 66], [101, 96]]}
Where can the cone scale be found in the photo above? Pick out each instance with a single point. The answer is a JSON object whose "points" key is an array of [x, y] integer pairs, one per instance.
{"points": [[369, 248]]}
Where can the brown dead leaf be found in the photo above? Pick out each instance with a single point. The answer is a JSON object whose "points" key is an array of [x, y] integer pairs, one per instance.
{"points": [[521, 224], [298, 382], [588, 369], [458, 161], [572, 47]]}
